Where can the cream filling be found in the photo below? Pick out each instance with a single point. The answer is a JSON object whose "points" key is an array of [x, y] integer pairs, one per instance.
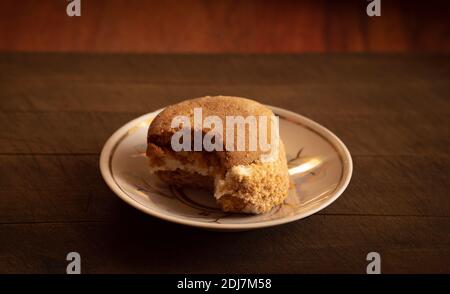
{"points": [[222, 188], [236, 172], [172, 164]]}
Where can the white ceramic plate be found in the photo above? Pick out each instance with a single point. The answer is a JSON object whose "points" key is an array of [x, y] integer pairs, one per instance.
{"points": [[319, 164]]}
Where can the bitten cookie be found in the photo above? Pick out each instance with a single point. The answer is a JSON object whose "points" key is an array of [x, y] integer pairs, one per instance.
{"points": [[245, 181]]}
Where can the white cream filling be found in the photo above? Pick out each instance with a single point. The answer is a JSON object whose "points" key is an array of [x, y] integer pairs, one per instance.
{"points": [[172, 164], [239, 171], [221, 187]]}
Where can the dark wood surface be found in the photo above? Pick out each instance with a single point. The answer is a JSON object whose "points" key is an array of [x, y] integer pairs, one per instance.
{"points": [[225, 26], [57, 110]]}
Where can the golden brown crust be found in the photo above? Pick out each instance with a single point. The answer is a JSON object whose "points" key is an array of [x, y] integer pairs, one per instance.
{"points": [[160, 131], [264, 187]]}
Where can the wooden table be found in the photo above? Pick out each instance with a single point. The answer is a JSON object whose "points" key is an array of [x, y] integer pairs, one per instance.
{"points": [[57, 110]]}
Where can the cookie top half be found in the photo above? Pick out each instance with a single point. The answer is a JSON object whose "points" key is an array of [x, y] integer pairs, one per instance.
{"points": [[160, 131]]}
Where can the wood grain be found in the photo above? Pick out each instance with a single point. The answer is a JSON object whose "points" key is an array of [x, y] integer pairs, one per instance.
{"points": [[136, 243], [224, 26], [86, 132], [42, 188], [57, 110], [188, 69], [331, 98]]}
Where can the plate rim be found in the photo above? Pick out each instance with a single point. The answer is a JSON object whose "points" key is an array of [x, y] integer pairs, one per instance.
{"points": [[346, 159]]}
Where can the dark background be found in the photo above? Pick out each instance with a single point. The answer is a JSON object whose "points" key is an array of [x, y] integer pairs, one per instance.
{"points": [[225, 26], [388, 104]]}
